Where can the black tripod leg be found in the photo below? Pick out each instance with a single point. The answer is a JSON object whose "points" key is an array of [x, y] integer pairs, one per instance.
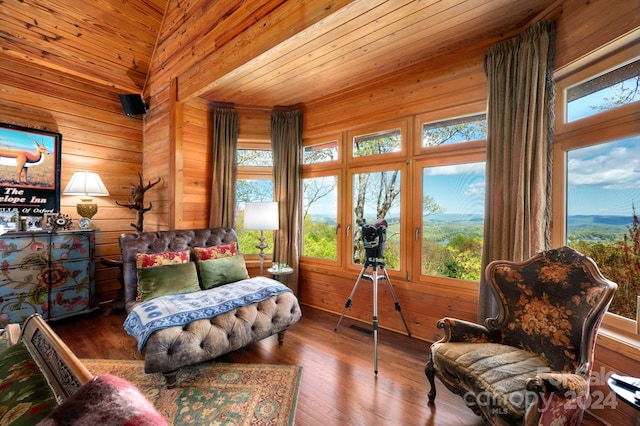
{"points": [[375, 319], [395, 300], [353, 291]]}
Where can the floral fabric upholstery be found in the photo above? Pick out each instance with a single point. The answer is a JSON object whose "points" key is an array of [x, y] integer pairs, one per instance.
{"points": [[25, 396], [531, 364]]}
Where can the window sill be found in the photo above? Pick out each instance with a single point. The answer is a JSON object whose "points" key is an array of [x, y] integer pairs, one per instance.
{"points": [[618, 334]]}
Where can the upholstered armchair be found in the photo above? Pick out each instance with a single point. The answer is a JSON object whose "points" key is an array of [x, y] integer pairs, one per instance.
{"points": [[532, 363]]}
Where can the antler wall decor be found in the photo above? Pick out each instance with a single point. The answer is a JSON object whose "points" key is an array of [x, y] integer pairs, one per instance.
{"points": [[136, 201]]}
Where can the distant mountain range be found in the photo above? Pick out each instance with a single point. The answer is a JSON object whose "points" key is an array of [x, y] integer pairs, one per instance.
{"points": [[576, 221], [589, 220]]}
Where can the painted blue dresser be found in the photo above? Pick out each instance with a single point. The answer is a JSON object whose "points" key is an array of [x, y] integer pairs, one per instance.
{"points": [[50, 273]]}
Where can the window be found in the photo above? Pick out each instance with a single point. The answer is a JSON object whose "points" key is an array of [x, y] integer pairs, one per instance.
{"points": [[612, 89], [453, 220], [254, 183], [320, 217], [603, 191], [321, 202], [384, 142], [451, 183], [597, 174], [461, 129], [252, 190], [376, 190], [254, 157], [376, 196], [321, 152]]}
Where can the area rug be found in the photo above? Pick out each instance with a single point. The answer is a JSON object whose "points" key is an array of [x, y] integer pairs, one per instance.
{"points": [[215, 393]]}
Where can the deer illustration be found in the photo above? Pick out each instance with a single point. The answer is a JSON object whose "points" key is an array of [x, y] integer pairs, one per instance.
{"points": [[23, 159]]}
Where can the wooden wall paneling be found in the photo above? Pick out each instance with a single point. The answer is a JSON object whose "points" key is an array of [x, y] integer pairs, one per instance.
{"points": [[604, 403], [423, 21], [80, 42], [156, 161], [181, 42], [197, 164], [583, 27], [254, 125], [183, 25], [443, 82], [95, 135], [422, 305]]}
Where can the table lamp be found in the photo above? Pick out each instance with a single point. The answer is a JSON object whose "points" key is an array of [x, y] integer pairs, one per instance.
{"points": [[262, 216], [87, 185]]}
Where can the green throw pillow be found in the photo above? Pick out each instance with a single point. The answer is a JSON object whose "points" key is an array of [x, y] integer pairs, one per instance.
{"points": [[26, 398], [224, 270], [167, 279]]}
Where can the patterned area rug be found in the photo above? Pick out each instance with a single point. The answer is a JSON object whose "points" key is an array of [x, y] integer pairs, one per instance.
{"points": [[215, 393]]}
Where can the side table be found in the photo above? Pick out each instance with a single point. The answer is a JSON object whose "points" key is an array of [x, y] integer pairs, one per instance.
{"points": [[277, 273], [118, 303], [624, 393]]}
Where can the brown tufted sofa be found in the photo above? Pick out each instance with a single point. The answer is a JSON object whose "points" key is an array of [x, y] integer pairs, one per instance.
{"points": [[169, 349]]}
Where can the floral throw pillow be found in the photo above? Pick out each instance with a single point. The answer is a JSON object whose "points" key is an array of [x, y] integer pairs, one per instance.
{"points": [[148, 260], [216, 252], [26, 398]]}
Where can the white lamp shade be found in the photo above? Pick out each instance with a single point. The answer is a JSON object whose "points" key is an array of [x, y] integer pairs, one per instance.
{"points": [[261, 216], [87, 184]]}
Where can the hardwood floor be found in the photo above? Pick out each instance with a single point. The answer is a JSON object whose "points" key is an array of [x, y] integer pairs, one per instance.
{"points": [[338, 385]]}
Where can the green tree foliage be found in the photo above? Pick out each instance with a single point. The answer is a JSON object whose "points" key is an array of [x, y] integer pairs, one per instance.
{"points": [[628, 91], [319, 239], [459, 129], [459, 258], [619, 261]]}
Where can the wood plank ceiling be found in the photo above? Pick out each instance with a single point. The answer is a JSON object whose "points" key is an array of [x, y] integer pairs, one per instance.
{"points": [[111, 42]]}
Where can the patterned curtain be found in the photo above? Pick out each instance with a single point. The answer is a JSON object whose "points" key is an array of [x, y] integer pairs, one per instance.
{"points": [[286, 145], [223, 187], [519, 148]]}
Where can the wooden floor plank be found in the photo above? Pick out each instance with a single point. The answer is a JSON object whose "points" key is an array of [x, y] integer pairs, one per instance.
{"points": [[338, 385]]}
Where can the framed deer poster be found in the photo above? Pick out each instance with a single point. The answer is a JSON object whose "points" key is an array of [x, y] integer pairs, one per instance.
{"points": [[29, 170]]}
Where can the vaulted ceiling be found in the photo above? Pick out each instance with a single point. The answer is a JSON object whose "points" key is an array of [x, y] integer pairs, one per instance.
{"points": [[112, 42]]}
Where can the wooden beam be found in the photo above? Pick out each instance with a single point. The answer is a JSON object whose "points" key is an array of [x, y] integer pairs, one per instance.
{"points": [[280, 25], [176, 158]]}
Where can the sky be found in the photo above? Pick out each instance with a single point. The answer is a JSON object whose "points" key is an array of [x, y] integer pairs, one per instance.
{"points": [[604, 179]]}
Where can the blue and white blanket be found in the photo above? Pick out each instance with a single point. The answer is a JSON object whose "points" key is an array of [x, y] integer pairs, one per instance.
{"points": [[181, 309]]}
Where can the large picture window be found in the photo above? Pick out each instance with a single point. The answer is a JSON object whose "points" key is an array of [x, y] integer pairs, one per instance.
{"points": [[603, 192]]}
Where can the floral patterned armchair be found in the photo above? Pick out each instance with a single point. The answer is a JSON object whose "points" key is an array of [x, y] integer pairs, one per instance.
{"points": [[532, 363]]}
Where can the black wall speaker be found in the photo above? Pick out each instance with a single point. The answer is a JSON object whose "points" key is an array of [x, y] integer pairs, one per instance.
{"points": [[132, 104]]}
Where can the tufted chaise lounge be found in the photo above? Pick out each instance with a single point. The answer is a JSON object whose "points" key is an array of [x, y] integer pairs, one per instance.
{"points": [[169, 349]]}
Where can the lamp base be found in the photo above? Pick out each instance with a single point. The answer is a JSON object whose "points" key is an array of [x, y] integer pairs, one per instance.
{"points": [[87, 209]]}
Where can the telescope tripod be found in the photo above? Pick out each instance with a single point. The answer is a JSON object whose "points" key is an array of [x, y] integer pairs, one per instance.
{"points": [[375, 264]]}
